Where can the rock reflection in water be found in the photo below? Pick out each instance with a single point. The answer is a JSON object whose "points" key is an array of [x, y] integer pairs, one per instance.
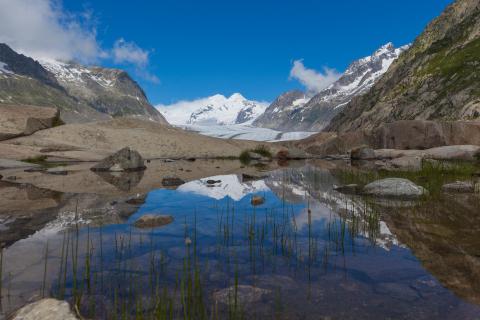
{"points": [[124, 181]]}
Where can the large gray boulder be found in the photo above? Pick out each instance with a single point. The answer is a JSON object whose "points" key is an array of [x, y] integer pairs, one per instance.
{"points": [[21, 120], [45, 309], [123, 160], [394, 188]]}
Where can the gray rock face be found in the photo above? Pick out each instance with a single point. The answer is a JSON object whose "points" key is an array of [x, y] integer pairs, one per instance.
{"points": [[45, 309], [394, 188], [459, 187], [123, 160], [82, 94], [316, 113], [153, 221]]}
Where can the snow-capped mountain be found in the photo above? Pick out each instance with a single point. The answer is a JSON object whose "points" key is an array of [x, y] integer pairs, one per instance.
{"points": [[81, 93], [214, 110], [109, 91], [315, 114]]}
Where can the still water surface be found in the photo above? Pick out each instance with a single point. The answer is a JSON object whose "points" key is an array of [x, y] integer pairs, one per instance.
{"points": [[307, 252]]}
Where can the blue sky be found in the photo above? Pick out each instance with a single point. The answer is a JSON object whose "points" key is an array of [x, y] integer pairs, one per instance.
{"points": [[198, 48]]}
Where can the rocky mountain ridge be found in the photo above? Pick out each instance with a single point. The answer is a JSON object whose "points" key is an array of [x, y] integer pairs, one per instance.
{"points": [[292, 111], [81, 93], [436, 79]]}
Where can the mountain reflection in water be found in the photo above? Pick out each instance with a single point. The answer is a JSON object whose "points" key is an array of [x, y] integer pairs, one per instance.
{"points": [[307, 252]]}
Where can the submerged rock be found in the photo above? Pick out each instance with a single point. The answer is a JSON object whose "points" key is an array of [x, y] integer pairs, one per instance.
{"points": [[257, 200], [172, 182], [153, 221], [394, 188], [459, 187], [45, 309], [244, 294], [122, 160]]}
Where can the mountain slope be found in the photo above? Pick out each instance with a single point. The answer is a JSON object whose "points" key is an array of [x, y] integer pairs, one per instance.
{"points": [[81, 94], [315, 114], [214, 110], [109, 91], [276, 116], [436, 79]]}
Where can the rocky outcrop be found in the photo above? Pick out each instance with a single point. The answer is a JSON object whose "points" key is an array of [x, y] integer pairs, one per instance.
{"points": [[125, 159], [394, 188], [18, 120], [436, 79], [399, 135], [45, 309]]}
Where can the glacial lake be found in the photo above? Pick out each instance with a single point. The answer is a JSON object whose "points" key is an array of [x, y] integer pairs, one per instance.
{"points": [[305, 251]]}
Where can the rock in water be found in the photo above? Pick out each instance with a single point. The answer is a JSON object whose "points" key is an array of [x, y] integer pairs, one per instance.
{"points": [[362, 153], [45, 309], [153, 221], [394, 188], [257, 200], [459, 187], [244, 294], [123, 160]]}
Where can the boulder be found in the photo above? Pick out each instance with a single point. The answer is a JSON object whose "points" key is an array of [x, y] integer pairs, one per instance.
{"points": [[152, 221], [459, 187], [455, 152], [257, 200], [407, 163], [21, 120], [45, 309], [172, 182], [394, 188], [122, 160], [362, 153], [245, 294]]}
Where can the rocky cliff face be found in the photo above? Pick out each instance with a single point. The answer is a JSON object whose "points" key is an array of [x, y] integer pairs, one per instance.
{"points": [[290, 112], [437, 78], [81, 93]]}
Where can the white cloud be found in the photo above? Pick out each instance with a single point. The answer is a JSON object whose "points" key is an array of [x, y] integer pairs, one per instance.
{"points": [[43, 29], [313, 80], [129, 52]]}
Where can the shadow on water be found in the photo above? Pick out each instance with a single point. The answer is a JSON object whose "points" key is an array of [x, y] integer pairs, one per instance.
{"points": [[304, 252]]}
